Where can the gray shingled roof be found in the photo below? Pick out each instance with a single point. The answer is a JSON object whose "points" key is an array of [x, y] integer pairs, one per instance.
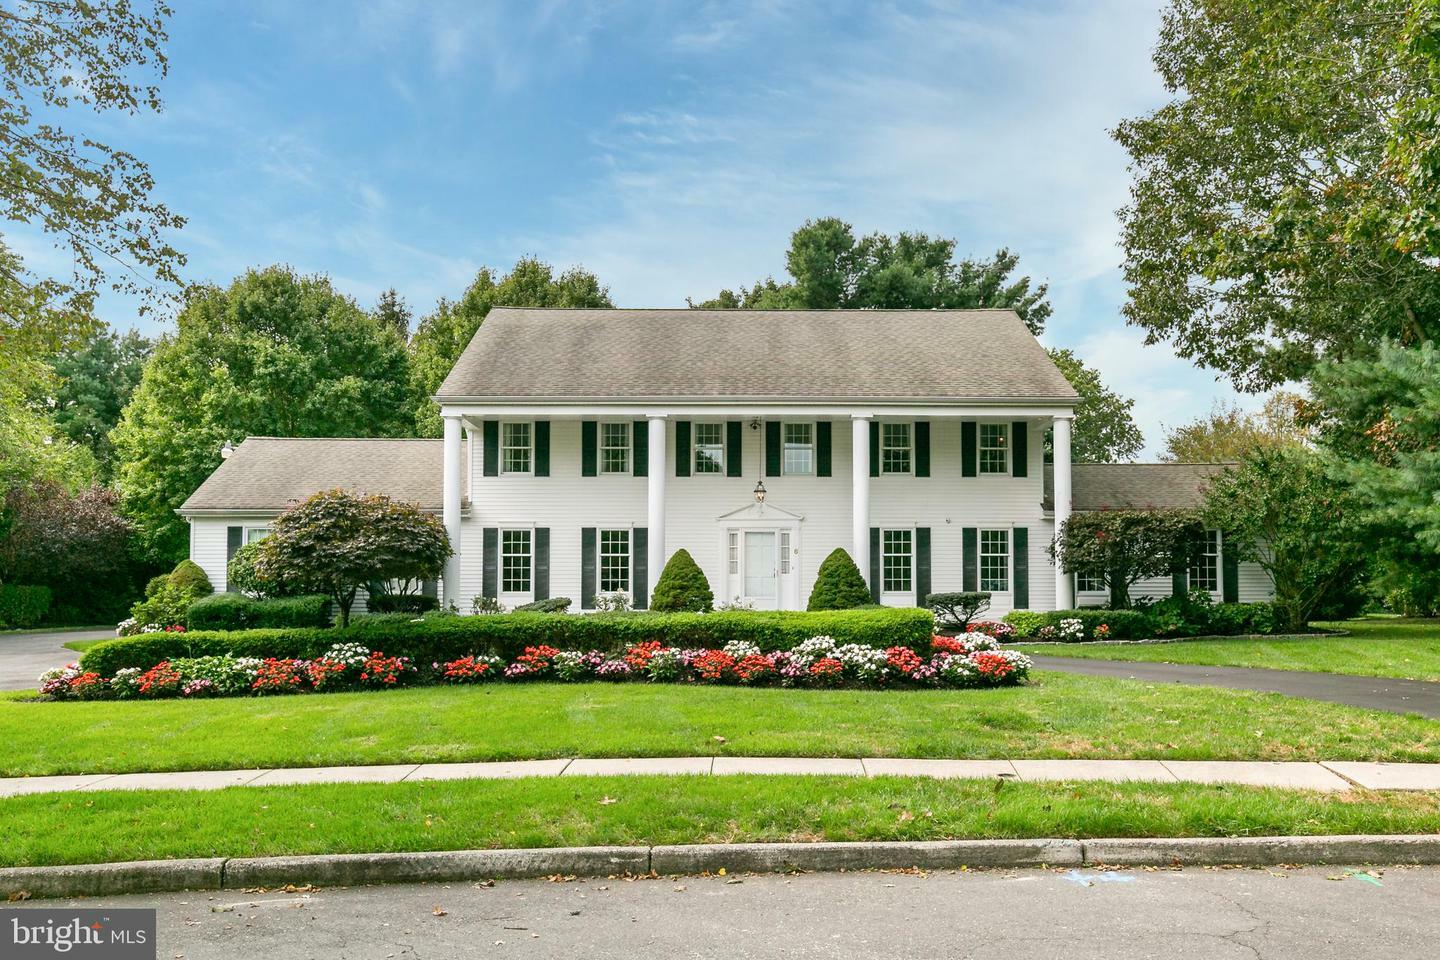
{"points": [[1136, 486], [270, 473], [811, 355]]}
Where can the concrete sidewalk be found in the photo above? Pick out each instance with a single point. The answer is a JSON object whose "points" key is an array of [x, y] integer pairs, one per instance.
{"points": [[1325, 776]]}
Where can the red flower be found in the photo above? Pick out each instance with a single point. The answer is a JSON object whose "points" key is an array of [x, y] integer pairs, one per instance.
{"points": [[755, 667], [638, 657], [904, 659], [993, 665], [713, 665], [949, 644]]}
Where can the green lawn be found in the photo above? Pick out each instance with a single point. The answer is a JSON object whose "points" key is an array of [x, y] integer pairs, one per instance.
{"points": [[346, 818], [80, 646], [1375, 647], [1058, 716]]}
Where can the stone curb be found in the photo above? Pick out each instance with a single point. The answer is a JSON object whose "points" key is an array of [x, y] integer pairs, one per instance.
{"points": [[357, 869]]}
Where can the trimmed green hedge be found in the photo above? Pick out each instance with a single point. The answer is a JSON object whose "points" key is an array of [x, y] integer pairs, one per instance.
{"points": [[234, 611], [1124, 624], [507, 635], [23, 606], [1161, 620], [394, 603]]}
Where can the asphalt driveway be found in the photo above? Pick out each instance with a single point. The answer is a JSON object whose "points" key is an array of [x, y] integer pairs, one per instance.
{"points": [[1374, 693], [24, 656]]}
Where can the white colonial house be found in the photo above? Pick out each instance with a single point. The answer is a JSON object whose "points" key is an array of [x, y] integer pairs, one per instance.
{"points": [[582, 448]]}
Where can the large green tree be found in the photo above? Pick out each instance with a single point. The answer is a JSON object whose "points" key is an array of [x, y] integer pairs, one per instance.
{"points": [[274, 354], [831, 268], [95, 200], [443, 334], [1267, 222], [1105, 430], [96, 380]]}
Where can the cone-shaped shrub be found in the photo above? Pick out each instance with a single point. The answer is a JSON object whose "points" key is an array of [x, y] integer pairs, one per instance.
{"points": [[838, 585], [189, 578], [682, 586]]}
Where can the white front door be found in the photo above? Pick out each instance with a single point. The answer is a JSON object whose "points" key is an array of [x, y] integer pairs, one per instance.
{"points": [[761, 570]]}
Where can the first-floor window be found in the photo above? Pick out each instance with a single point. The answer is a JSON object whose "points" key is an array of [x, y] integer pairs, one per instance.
{"points": [[615, 447], [897, 560], [799, 449], [255, 534], [784, 551], [515, 447], [515, 561], [733, 553], [995, 560], [1205, 571], [614, 560], [709, 448], [1088, 581]]}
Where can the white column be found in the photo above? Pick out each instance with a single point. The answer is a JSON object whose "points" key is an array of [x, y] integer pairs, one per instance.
{"points": [[655, 499], [1064, 584], [451, 509], [860, 490]]}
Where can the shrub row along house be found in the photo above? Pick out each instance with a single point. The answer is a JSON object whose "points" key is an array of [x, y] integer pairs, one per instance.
{"points": [[583, 448]]}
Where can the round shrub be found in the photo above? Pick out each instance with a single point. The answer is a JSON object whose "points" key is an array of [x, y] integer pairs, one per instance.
{"points": [[189, 578], [682, 586], [839, 585]]}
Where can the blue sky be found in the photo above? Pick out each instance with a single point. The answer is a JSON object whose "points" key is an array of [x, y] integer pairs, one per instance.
{"points": [[670, 148]]}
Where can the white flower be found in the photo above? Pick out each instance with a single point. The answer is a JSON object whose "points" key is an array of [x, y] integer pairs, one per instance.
{"points": [[740, 649]]}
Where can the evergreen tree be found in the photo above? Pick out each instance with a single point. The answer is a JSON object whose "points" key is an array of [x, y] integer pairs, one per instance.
{"points": [[682, 586], [838, 584]]}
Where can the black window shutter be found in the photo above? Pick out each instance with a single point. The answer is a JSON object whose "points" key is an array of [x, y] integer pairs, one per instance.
{"points": [[542, 448], [970, 558], [234, 539], [490, 562], [589, 448], [587, 568], [1020, 564], [922, 448], [1019, 450], [969, 450], [640, 449], [922, 565], [640, 567], [1229, 573], [874, 448], [491, 430], [822, 448], [542, 563], [1179, 574], [682, 448], [734, 463], [875, 564], [772, 448]]}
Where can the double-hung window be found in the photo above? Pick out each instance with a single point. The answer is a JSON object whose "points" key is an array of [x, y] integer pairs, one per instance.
{"points": [[515, 561], [1088, 581], [614, 560], [256, 534], [799, 449], [994, 448], [897, 560], [709, 448], [517, 447], [995, 560], [1205, 568], [615, 447], [895, 448]]}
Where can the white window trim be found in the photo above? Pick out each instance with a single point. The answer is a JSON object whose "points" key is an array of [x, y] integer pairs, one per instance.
{"points": [[897, 593], [629, 558], [1219, 565], [1009, 557], [812, 446], [1100, 589], [980, 450], [513, 595], [629, 433], [909, 447], [245, 538], [503, 446], [695, 470]]}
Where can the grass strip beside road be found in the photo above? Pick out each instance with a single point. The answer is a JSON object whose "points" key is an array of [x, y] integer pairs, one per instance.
{"points": [[581, 811], [1058, 716]]}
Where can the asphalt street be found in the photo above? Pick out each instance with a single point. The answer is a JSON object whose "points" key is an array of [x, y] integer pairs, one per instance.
{"points": [[24, 656], [1312, 913]]}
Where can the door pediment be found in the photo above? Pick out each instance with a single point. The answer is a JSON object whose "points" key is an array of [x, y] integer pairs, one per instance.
{"points": [[759, 512]]}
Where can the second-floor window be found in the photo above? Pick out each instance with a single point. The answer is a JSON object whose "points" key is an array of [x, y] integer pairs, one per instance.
{"points": [[516, 448], [615, 447], [709, 448], [799, 450], [994, 448], [895, 448], [1205, 571]]}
